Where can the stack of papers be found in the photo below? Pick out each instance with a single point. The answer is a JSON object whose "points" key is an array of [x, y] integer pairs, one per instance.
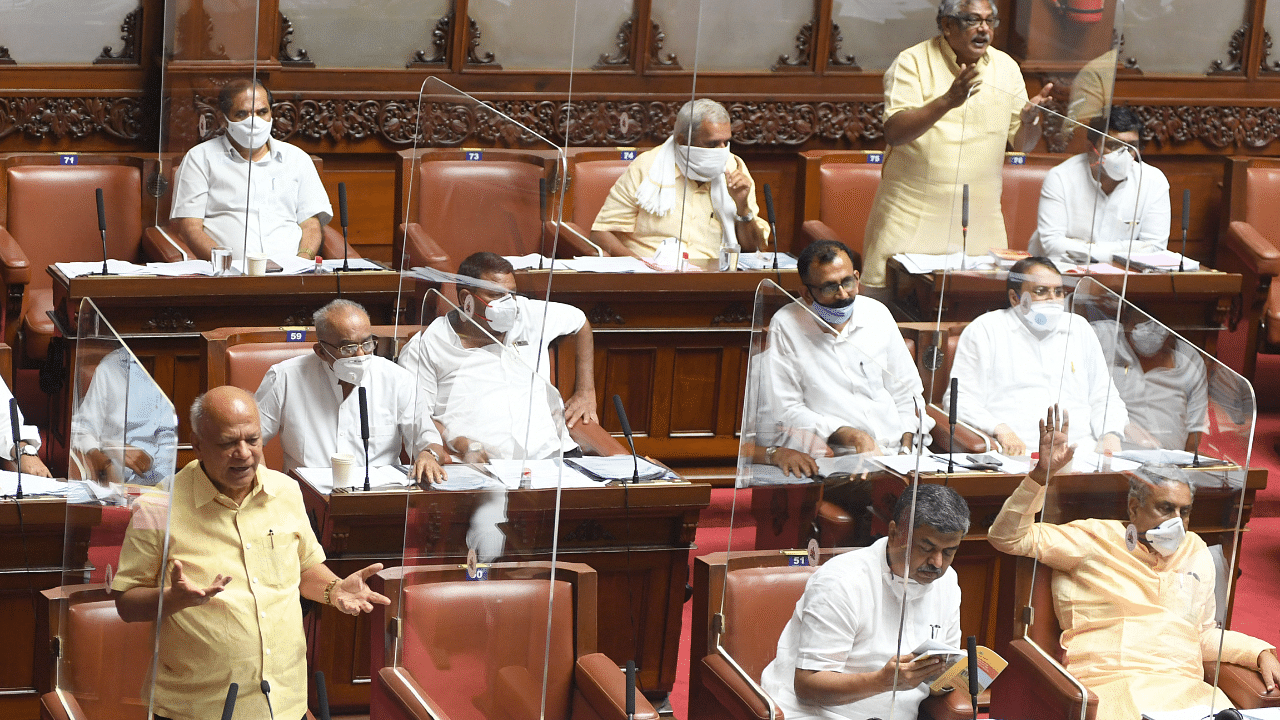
{"points": [[33, 485], [115, 267], [466, 477], [1169, 457], [764, 261], [1201, 712], [532, 261], [619, 467], [1086, 461], [380, 476], [543, 474], [291, 264], [606, 265], [921, 264], [1159, 261]]}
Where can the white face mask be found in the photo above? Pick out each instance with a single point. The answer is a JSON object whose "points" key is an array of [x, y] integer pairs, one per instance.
{"points": [[834, 314], [352, 369], [701, 164], [250, 137], [1040, 317], [1148, 337], [1116, 164], [502, 313], [1167, 536]]}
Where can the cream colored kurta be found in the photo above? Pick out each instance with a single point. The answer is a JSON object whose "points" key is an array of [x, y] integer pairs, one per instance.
{"points": [[917, 206], [1136, 625], [693, 219]]}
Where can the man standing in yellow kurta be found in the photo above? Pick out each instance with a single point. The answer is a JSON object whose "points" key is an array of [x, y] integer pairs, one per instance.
{"points": [[951, 104], [1136, 602]]}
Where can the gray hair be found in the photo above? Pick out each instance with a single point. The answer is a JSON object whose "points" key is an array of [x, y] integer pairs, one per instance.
{"points": [[1147, 477], [198, 413], [937, 506], [692, 116], [320, 318], [952, 8]]}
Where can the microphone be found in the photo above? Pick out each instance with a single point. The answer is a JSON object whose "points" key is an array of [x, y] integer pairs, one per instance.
{"points": [[773, 222], [342, 214], [964, 225], [229, 705], [631, 689], [626, 430], [952, 417], [102, 228], [1186, 220], [542, 215], [322, 696], [364, 433], [974, 688], [266, 692], [17, 450]]}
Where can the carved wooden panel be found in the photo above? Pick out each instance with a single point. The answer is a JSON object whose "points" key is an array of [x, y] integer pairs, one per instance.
{"points": [[696, 385], [74, 118], [629, 373]]}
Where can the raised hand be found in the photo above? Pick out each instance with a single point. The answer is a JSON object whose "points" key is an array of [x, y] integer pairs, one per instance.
{"points": [[183, 593], [1054, 450], [353, 596]]}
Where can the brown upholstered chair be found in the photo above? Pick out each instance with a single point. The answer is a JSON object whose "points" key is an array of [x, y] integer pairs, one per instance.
{"points": [[729, 650], [456, 206], [48, 214], [166, 244], [937, 345], [104, 661], [1036, 683], [451, 648], [1023, 176], [1251, 247], [592, 174], [838, 188]]}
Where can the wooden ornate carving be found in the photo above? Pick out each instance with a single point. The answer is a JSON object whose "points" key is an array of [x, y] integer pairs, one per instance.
{"points": [[473, 45], [301, 317], [298, 58], [1217, 127], [1266, 54], [589, 531], [732, 314], [833, 54], [169, 320], [75, 118], [440, 37], [626, 38], [131, 47], [804, 50], [5, 59], [657, 38], [1235, 53]]}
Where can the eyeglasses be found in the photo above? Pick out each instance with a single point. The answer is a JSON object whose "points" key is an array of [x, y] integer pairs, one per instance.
{"points": [[350, 349], [969, 22], [1042, 292], [832, 289]]}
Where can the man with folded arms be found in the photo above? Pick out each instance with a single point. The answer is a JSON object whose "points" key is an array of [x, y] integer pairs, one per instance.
{"points": [[839, 655], [690, 188], [278, 206], [240, 551], [1135, 600], [311, 401]]}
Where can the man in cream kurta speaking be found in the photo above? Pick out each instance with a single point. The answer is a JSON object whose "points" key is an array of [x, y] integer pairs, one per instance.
{"points": [[690, 188], [951, 103]]}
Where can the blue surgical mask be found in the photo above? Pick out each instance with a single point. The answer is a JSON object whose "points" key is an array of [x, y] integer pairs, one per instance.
{"points": [[837, 313]]}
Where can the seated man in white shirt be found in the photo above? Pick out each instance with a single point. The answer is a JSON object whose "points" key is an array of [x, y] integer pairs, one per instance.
{"points": [[287, 204], [838, 655], [309, 401], [1094, 204], [482, 372], [1031, 355]]}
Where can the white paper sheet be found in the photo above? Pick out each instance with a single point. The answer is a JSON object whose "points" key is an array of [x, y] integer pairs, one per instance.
{"points": [[606, 265], [352, 263], [544, 474], [764, 261], [32, 485], [185, 267], [532, 261], [920, 264], [465, 477], [1086, 461], [620, 467], [379, 476], [115, 267]]}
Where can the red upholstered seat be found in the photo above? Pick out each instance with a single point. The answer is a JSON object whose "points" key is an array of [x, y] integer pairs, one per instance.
{"points": [[1251, 247], [1020, 197], [105, 661]]}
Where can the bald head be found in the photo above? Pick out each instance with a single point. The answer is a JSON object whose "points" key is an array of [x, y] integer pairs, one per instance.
{"points": [[227, 438]]}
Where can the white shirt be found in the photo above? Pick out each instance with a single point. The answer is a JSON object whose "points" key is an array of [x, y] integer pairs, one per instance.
{"points": [[1169, 403], [300, 399], [29, 433], [492, 394], [847, 621], [1074, 209], [1008, 375], [863, 377], [211, 184], [124, 407]]}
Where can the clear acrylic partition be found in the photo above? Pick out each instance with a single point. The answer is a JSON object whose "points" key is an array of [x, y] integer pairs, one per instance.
{"points": [[123, 451]]}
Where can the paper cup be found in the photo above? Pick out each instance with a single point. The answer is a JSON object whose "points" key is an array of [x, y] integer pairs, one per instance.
{"points": [[342, 464], [257, 263], [220, 258]]}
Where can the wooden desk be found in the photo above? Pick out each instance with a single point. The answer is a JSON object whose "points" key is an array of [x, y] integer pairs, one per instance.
{"points": [[161, 318], [1195, 304], [673, 346], [33, 561], [637, 539]]}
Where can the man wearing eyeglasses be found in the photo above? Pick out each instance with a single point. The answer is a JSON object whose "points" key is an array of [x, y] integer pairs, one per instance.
{"points": [[840, 368], [951, 104], [1012, 363], [1103, 201], [311, 403]]}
